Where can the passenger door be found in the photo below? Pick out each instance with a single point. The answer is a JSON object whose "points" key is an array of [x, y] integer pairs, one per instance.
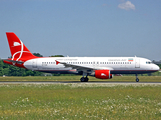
{"points": [[137, 63], [34, 63]]}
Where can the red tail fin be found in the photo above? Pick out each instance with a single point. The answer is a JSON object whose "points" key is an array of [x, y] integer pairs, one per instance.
{"points": [[18, 50]]}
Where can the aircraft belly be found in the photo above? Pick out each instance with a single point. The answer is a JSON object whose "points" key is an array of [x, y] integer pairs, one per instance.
{"points": [[131, 71]]}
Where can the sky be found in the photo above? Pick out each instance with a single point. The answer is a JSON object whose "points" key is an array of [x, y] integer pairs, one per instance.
{"points": [[82, 28]]}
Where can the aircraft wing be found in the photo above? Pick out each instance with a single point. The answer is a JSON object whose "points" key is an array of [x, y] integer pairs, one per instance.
{"points": [[78, 67], [85, 69]]}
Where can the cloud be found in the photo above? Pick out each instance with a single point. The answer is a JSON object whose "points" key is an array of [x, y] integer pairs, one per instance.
{"points": [[127, 6]]}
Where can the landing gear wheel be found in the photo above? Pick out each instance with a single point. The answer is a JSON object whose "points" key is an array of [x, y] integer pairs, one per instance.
{"points": [[84, 79], [137, 79]]}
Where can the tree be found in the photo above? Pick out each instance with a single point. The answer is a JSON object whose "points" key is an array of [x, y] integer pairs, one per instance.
{"points": [[56, 56], [1, 64], [6, 71], [160, 66], [1, 71], [1, 67], [38, 54]]}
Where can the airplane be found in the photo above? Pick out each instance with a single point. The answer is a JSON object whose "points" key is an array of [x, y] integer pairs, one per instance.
{"points": [[99, 67]]}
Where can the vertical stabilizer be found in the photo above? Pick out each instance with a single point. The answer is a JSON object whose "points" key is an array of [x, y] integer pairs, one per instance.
{"points": [[18, 50]]}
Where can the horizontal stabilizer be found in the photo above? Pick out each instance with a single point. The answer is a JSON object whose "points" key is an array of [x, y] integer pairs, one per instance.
{"points": [[13, 61]]}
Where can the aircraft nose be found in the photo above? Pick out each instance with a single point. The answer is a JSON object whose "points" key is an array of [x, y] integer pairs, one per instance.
{"points": [[157, 67]]}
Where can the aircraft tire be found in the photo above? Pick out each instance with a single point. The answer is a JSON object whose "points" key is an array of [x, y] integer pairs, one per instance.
{"points": [[86, 79], [137, 79], [82, 79]]}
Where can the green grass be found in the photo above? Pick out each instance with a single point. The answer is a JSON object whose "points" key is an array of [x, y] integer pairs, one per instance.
{"points": [[77, 78], [80, 101]]}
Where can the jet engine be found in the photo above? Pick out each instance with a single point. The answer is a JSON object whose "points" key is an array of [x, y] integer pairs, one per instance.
{"points": [[103, 74]]}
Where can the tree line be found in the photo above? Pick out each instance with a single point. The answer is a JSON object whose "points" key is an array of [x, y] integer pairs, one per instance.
{"points": [[9, 70]]}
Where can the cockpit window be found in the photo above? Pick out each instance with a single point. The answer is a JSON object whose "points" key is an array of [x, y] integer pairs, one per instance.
{"points": [[149, 62]]}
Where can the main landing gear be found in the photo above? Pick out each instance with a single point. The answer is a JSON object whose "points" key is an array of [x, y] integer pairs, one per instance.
{"points": [[137, 79], [84, 79]]}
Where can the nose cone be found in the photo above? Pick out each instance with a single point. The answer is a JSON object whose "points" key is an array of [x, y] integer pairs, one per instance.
{"points": [[156, 67]]}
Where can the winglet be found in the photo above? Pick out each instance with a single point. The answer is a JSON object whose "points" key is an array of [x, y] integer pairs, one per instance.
{"points": [[57, 62]]}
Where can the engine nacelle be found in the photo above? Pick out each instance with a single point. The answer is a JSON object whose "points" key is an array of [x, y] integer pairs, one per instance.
{"points": [[103, 74]]}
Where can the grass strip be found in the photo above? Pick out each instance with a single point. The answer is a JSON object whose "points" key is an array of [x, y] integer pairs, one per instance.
{"points": [[80, 101], [77, 78]]}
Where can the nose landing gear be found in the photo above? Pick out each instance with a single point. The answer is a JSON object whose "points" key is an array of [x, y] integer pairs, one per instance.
{"points": [[137, 79]]}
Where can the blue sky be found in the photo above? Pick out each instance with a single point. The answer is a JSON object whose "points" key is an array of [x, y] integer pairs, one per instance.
{"points": [[99, 28]]}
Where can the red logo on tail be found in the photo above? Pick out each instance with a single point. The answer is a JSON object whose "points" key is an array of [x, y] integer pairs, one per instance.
{"points": [[18, 50]]}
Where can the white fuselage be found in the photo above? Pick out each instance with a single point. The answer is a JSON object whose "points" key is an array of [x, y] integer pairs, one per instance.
{"points": [[99, 67], [117, 65]]}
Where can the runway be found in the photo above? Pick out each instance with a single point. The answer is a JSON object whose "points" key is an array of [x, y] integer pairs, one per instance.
{"points": [[71, 82]]}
